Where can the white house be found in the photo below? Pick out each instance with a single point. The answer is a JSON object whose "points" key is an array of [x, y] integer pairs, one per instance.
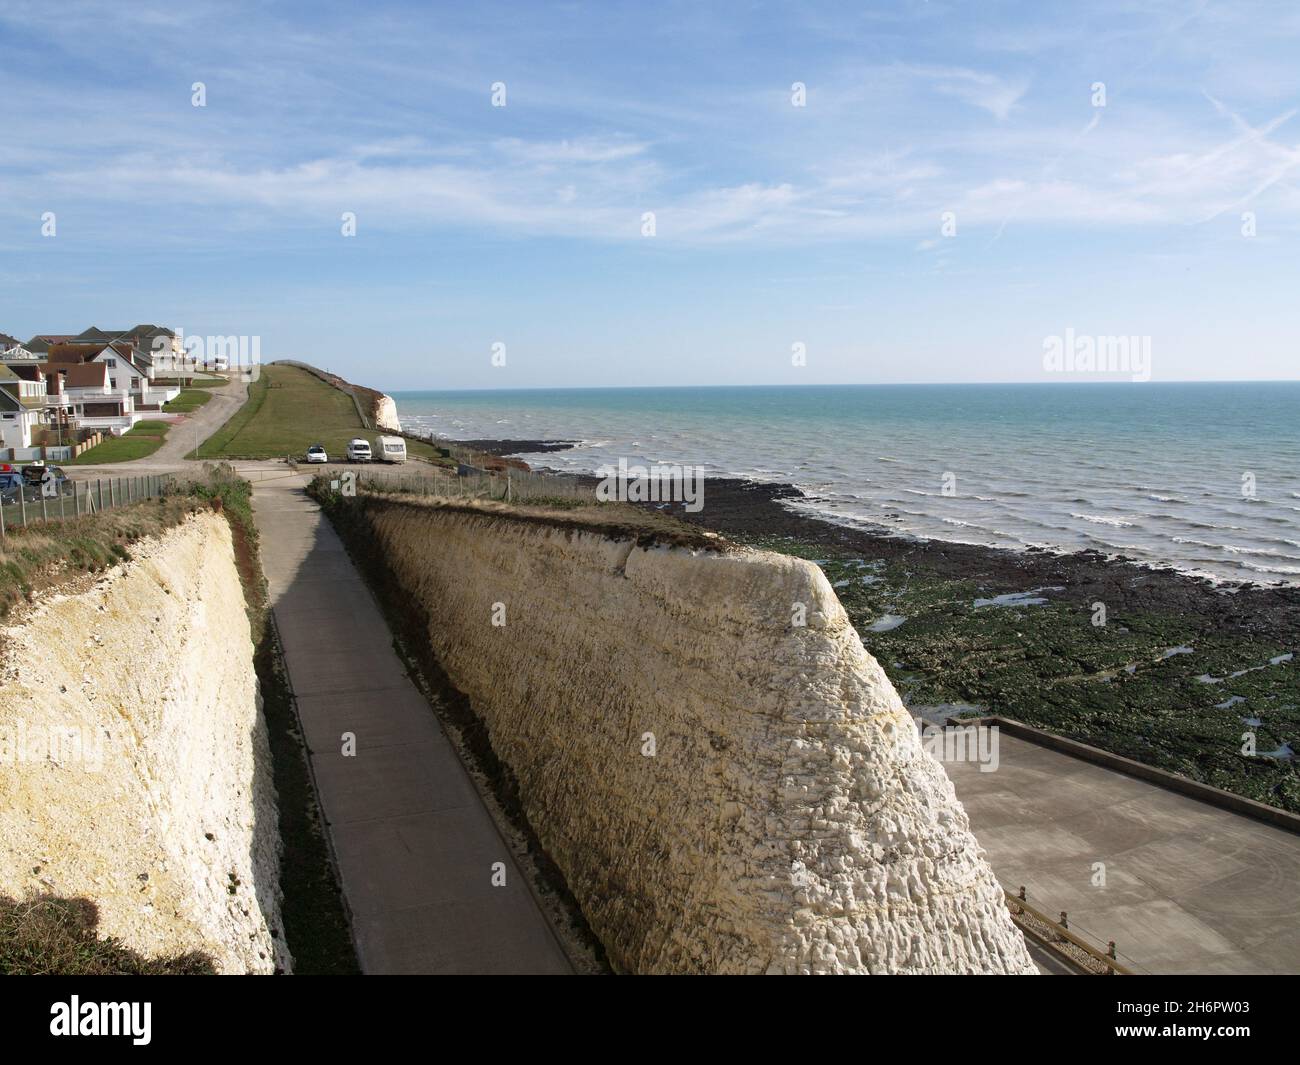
{"points": [[129, 373], [149, 365], [15, 422], [101, 401]]}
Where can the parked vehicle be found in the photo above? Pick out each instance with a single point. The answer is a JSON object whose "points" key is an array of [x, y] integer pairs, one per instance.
{"points": [[47, 481], [11, 484], [38, 474], [359, 450], [392, 449], [316, 454]]}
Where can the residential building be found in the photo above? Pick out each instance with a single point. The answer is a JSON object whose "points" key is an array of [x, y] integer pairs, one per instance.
{"points": [[72, 353], [46, 387], [18, 354], [131, 371], [22, 409], [154, 340], [99, 401], [115, 398], [42, 342]]}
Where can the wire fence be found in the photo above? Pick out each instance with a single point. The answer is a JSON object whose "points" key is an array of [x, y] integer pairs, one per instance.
{"points": [[62, 500]]}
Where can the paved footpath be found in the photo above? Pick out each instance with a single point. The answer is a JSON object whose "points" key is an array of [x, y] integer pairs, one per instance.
{"points": [[414, 842]]}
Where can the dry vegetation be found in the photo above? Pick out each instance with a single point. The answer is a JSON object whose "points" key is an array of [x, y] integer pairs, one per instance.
{"points": [[55, 935], [48, 935], [618, 521], [45, 555]]}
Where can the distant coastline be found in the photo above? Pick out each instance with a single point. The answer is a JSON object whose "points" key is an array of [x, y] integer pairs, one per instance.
{"points": [[1204, 478]]}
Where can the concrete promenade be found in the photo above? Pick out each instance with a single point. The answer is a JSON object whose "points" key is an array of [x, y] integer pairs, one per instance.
{"points": [[1189, 887]]}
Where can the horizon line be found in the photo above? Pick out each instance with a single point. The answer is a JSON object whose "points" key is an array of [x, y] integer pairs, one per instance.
{"points": [[858, 384]]}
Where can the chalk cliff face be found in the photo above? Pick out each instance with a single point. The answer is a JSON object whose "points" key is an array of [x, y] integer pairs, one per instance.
{"points": [[136, 770], [724, 790], [385, 415]]}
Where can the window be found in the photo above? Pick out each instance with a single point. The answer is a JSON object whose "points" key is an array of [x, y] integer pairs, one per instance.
{"points": [[111, 362], [112, 383]]}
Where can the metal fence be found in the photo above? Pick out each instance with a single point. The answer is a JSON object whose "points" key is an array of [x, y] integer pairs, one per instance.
{"points": [[509, 485], [34, 504]]}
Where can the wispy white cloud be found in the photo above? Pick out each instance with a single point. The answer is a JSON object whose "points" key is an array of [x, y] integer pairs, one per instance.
{"points": [[990, 92], [305, 125]]}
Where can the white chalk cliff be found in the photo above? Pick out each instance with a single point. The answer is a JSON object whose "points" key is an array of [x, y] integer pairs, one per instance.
{"points": [[724, 791], [136, 770], [385, 416]]}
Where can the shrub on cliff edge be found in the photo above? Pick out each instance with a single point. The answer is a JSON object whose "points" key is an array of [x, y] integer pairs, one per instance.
{"points": [[47, 935]]}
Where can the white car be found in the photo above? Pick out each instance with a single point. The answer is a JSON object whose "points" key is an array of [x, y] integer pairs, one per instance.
{"points": [[316, 454], [359, 450]]}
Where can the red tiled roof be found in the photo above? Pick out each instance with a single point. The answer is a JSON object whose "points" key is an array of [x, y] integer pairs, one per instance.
{"points": [[88, 375], [74, 353]]}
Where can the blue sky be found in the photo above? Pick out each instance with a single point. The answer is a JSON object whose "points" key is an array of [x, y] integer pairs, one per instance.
{"points": [[774, 224]]}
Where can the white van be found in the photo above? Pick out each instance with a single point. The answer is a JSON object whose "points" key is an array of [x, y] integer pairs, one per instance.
{"points": [[358, 450], [392, 449]]}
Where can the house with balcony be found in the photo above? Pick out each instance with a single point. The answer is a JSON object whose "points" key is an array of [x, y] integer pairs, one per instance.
{"points": [[150, 344], [132, 370], [100, 396], [23, 411], [49, 382], [141, 372], [127, 375]]}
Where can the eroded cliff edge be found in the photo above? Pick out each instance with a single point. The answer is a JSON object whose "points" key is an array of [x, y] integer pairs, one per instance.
{"points": [[143, 779], [788, 819], [385, 415]]}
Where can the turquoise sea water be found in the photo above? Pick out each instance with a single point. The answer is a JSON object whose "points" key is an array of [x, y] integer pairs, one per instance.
{"points": [[1159, 472]]}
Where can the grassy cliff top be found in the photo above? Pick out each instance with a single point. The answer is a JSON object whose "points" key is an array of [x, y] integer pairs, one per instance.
{"points": [[46, 555], [289, 409]]}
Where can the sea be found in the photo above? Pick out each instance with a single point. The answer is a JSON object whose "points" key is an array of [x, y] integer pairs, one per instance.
{"points": [[1201, 477]]}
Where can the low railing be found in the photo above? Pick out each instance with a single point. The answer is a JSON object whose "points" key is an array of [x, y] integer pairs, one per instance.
{"points": [[1055, 935], [34, 504]]}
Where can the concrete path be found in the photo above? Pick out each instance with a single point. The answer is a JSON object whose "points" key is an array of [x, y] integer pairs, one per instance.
{"points": [[202, 423], [187, 432], [415, 845], [1189, 887]]}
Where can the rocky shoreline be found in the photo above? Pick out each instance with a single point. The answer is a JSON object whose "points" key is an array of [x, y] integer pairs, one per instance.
{"points": [[1172, 670], [505, 448], [1169, 669], [746, 509]]}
